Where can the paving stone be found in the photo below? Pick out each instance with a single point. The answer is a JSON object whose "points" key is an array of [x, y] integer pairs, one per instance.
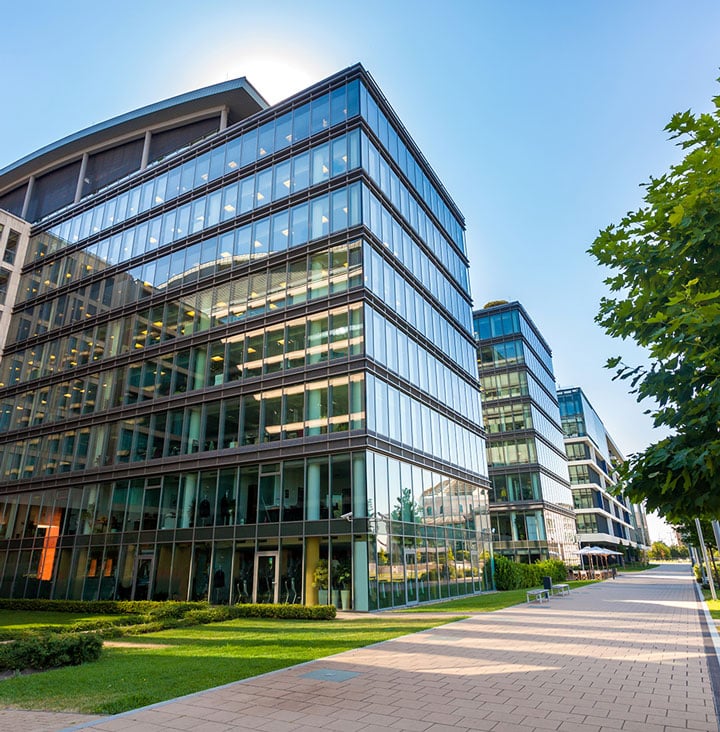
{"points": [[623, 655]]}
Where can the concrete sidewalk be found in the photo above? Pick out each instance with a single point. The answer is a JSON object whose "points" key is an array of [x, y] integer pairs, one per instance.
{"points": [[627, 654]]}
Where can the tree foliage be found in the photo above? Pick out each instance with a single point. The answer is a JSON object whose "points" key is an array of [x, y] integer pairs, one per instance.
{"points": [[659, 550], [665, 295], [688, 533]]}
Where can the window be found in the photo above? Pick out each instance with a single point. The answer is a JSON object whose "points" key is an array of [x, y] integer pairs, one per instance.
{"points": [[4, 280], [11, 247]]}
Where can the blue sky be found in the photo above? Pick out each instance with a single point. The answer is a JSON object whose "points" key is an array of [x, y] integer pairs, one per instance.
{"points": [[541, 118]]}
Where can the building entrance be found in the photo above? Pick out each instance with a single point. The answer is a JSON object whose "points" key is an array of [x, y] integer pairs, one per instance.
{"points": [[142, 577], [265, 585]]}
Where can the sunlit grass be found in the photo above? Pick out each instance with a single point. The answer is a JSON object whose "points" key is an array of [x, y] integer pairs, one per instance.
{"points": [[712, 605], [19, 621], [485, 603], [192, 659]]}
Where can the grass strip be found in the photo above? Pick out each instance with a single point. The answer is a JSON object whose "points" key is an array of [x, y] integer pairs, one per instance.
{"points": [[712, 605], [485, 603], [182, 661]]}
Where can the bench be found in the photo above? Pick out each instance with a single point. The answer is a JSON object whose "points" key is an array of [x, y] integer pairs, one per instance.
{"points": [[541, 595], [561, 589]]}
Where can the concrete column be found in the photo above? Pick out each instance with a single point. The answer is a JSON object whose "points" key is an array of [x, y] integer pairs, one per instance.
{"points": [[199, 369], [189, 495], [359, 489], [81, 177], [312, 494], [146, 150], [193, 438], [312, 557], [223, 119], [28, 196]]}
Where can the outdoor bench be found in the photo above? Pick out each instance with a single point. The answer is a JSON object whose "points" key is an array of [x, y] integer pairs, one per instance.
{"points": [[540, 595]]}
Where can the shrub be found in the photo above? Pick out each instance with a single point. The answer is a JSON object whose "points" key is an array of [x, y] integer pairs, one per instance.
{"points": [[552, 568], [507, 576], [50, 651], [510, 575], [98, 607], [151, 617]]}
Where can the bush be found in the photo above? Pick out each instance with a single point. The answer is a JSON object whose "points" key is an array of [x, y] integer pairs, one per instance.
{"points": [[510, 575], [50, 651], [552, 568], [98, 607], [507, 576], [151, 617]]}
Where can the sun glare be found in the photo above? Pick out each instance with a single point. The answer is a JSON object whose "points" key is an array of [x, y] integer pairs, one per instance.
{"points": [[274, 77]]}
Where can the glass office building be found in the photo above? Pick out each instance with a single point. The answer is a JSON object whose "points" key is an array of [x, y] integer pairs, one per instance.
{"points": [[241, 349], [530, 498], [603, 518]]}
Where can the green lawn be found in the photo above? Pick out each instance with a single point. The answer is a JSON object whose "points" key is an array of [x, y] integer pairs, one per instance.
{"points": [[191, 659], [712, 605], [13, 621], [486, 603]]}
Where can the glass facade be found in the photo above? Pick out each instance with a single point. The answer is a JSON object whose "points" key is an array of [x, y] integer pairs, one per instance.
{"points": [[247, 358], [604, 517], [530, 498]]}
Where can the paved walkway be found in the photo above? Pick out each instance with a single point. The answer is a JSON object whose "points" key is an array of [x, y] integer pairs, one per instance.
{"points": [[629, 654]]}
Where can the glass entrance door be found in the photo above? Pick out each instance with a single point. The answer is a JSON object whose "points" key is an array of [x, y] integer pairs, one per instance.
{"points": [[265, 586], [142, 577]]}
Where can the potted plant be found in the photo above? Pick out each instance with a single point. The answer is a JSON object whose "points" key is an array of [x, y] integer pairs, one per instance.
{"points": [[344, 578], [320, 581]]}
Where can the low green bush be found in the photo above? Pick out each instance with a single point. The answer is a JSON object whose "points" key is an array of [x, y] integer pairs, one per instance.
{"points": [[50, 651], [298, 612], [150, 617], [98, 607], [510, 575]]}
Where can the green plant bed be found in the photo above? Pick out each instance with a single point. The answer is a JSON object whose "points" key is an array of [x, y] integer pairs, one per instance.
{"points": [[185, 660], [19, 620], [637, 567], [50, 651], [161, 615]]}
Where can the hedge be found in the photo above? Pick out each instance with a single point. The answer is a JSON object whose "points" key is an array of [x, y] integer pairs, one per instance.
{"points": [[94, 607], [150, 611], [50, 651], [159, 616], [510, 575]]}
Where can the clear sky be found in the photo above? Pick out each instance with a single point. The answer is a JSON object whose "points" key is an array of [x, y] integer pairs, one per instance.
{"points": [[541, 118]]}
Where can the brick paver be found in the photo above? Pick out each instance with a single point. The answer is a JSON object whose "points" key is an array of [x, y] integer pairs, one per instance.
{"points": [[626, 654]]}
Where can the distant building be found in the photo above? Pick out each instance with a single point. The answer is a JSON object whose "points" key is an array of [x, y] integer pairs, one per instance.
{"points": [[530, 498], [603, 519], [240, 351]]}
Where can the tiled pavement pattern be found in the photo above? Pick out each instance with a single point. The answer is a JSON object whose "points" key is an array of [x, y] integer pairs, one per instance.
{"points": [[626, 654]]}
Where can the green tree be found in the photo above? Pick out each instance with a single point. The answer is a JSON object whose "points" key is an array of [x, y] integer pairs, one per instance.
{"points": [[659, 550], [679, 551], [665, 285]]}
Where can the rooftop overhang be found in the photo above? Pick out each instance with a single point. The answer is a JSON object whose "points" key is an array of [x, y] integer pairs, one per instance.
{"points": [[237, 96]]}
